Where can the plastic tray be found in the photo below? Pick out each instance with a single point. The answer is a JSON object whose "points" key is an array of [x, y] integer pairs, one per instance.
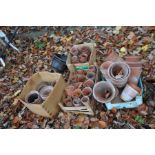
{"points": [[126, 105]]}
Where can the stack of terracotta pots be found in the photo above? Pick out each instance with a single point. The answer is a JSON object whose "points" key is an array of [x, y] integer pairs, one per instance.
{"points": [[80, 55], [122, 74]]}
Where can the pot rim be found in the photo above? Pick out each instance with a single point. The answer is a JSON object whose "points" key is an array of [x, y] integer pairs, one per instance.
{"points": [[112, 87]]}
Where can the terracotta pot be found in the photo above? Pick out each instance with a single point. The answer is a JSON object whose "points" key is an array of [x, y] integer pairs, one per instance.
{"points": [[74, 59], [105, 65], [69, 90], [76, 93], [89, 83], [80, 72], [33, 97], [74, 51], [85, 99], [85, 50], [118, 73], [135, 87], [104, 68], [135, 75], [87, 91], [76, 102], [132, 58], [77, 85], [81, 78], [83, 58], [90, 75], [45, 91], [134, 64], [68, 102], [104, 91], [92, 69]]}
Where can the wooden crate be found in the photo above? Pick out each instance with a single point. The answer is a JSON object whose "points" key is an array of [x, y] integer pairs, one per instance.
{"points": [[85, 109], [91, 61]]}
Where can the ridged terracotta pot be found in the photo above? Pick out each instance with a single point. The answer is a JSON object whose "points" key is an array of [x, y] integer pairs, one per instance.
{"points": [[118, 73]]}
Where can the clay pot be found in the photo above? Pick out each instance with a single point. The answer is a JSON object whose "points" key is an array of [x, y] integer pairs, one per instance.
{"points": [[134, 64], [118, 73], [135, 87], [77, 102], [74, 51], [104, 68], [105, 65], [132, 58], [104, 91], [87, 91], [45, 91], [84, 100], [80, 72], [81, 78], [89, 83], [76, 93], [130, 92], [135, 75], [85, 50], [74, 59], [77, 85], [68, 102], [92, 69], [69, 90], [33, 97], [83, 58], [90, 75]]}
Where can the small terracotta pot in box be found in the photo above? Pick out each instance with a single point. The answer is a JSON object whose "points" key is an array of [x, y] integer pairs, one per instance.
{"points": [[74, 59], [90, 75], [69, 90], [89, 83], [87, 91], [85, 50], [83, 58], [74, 51], [77, 93], [68, 102]]}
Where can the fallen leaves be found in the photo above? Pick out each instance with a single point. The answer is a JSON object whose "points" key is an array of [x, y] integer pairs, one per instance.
{"points": [[36, 56]]}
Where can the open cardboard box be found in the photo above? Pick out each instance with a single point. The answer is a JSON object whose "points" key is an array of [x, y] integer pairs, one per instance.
{"points": [[91, 61], [50, 106], [84, 109]]}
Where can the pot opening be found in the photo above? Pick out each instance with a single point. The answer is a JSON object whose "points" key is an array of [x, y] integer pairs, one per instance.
{"points": [[32, 97]]}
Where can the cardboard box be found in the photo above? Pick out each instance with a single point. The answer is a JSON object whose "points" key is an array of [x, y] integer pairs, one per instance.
{"points": [[91, 61], [50, 106]]}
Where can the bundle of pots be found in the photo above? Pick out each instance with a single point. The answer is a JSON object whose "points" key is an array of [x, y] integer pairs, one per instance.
{"points": [[121, 79], [40, 94], [80, 88], [80, 54]]}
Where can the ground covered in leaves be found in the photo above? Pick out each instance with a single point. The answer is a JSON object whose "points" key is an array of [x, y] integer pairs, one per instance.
{"points": [[37, 46]]}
